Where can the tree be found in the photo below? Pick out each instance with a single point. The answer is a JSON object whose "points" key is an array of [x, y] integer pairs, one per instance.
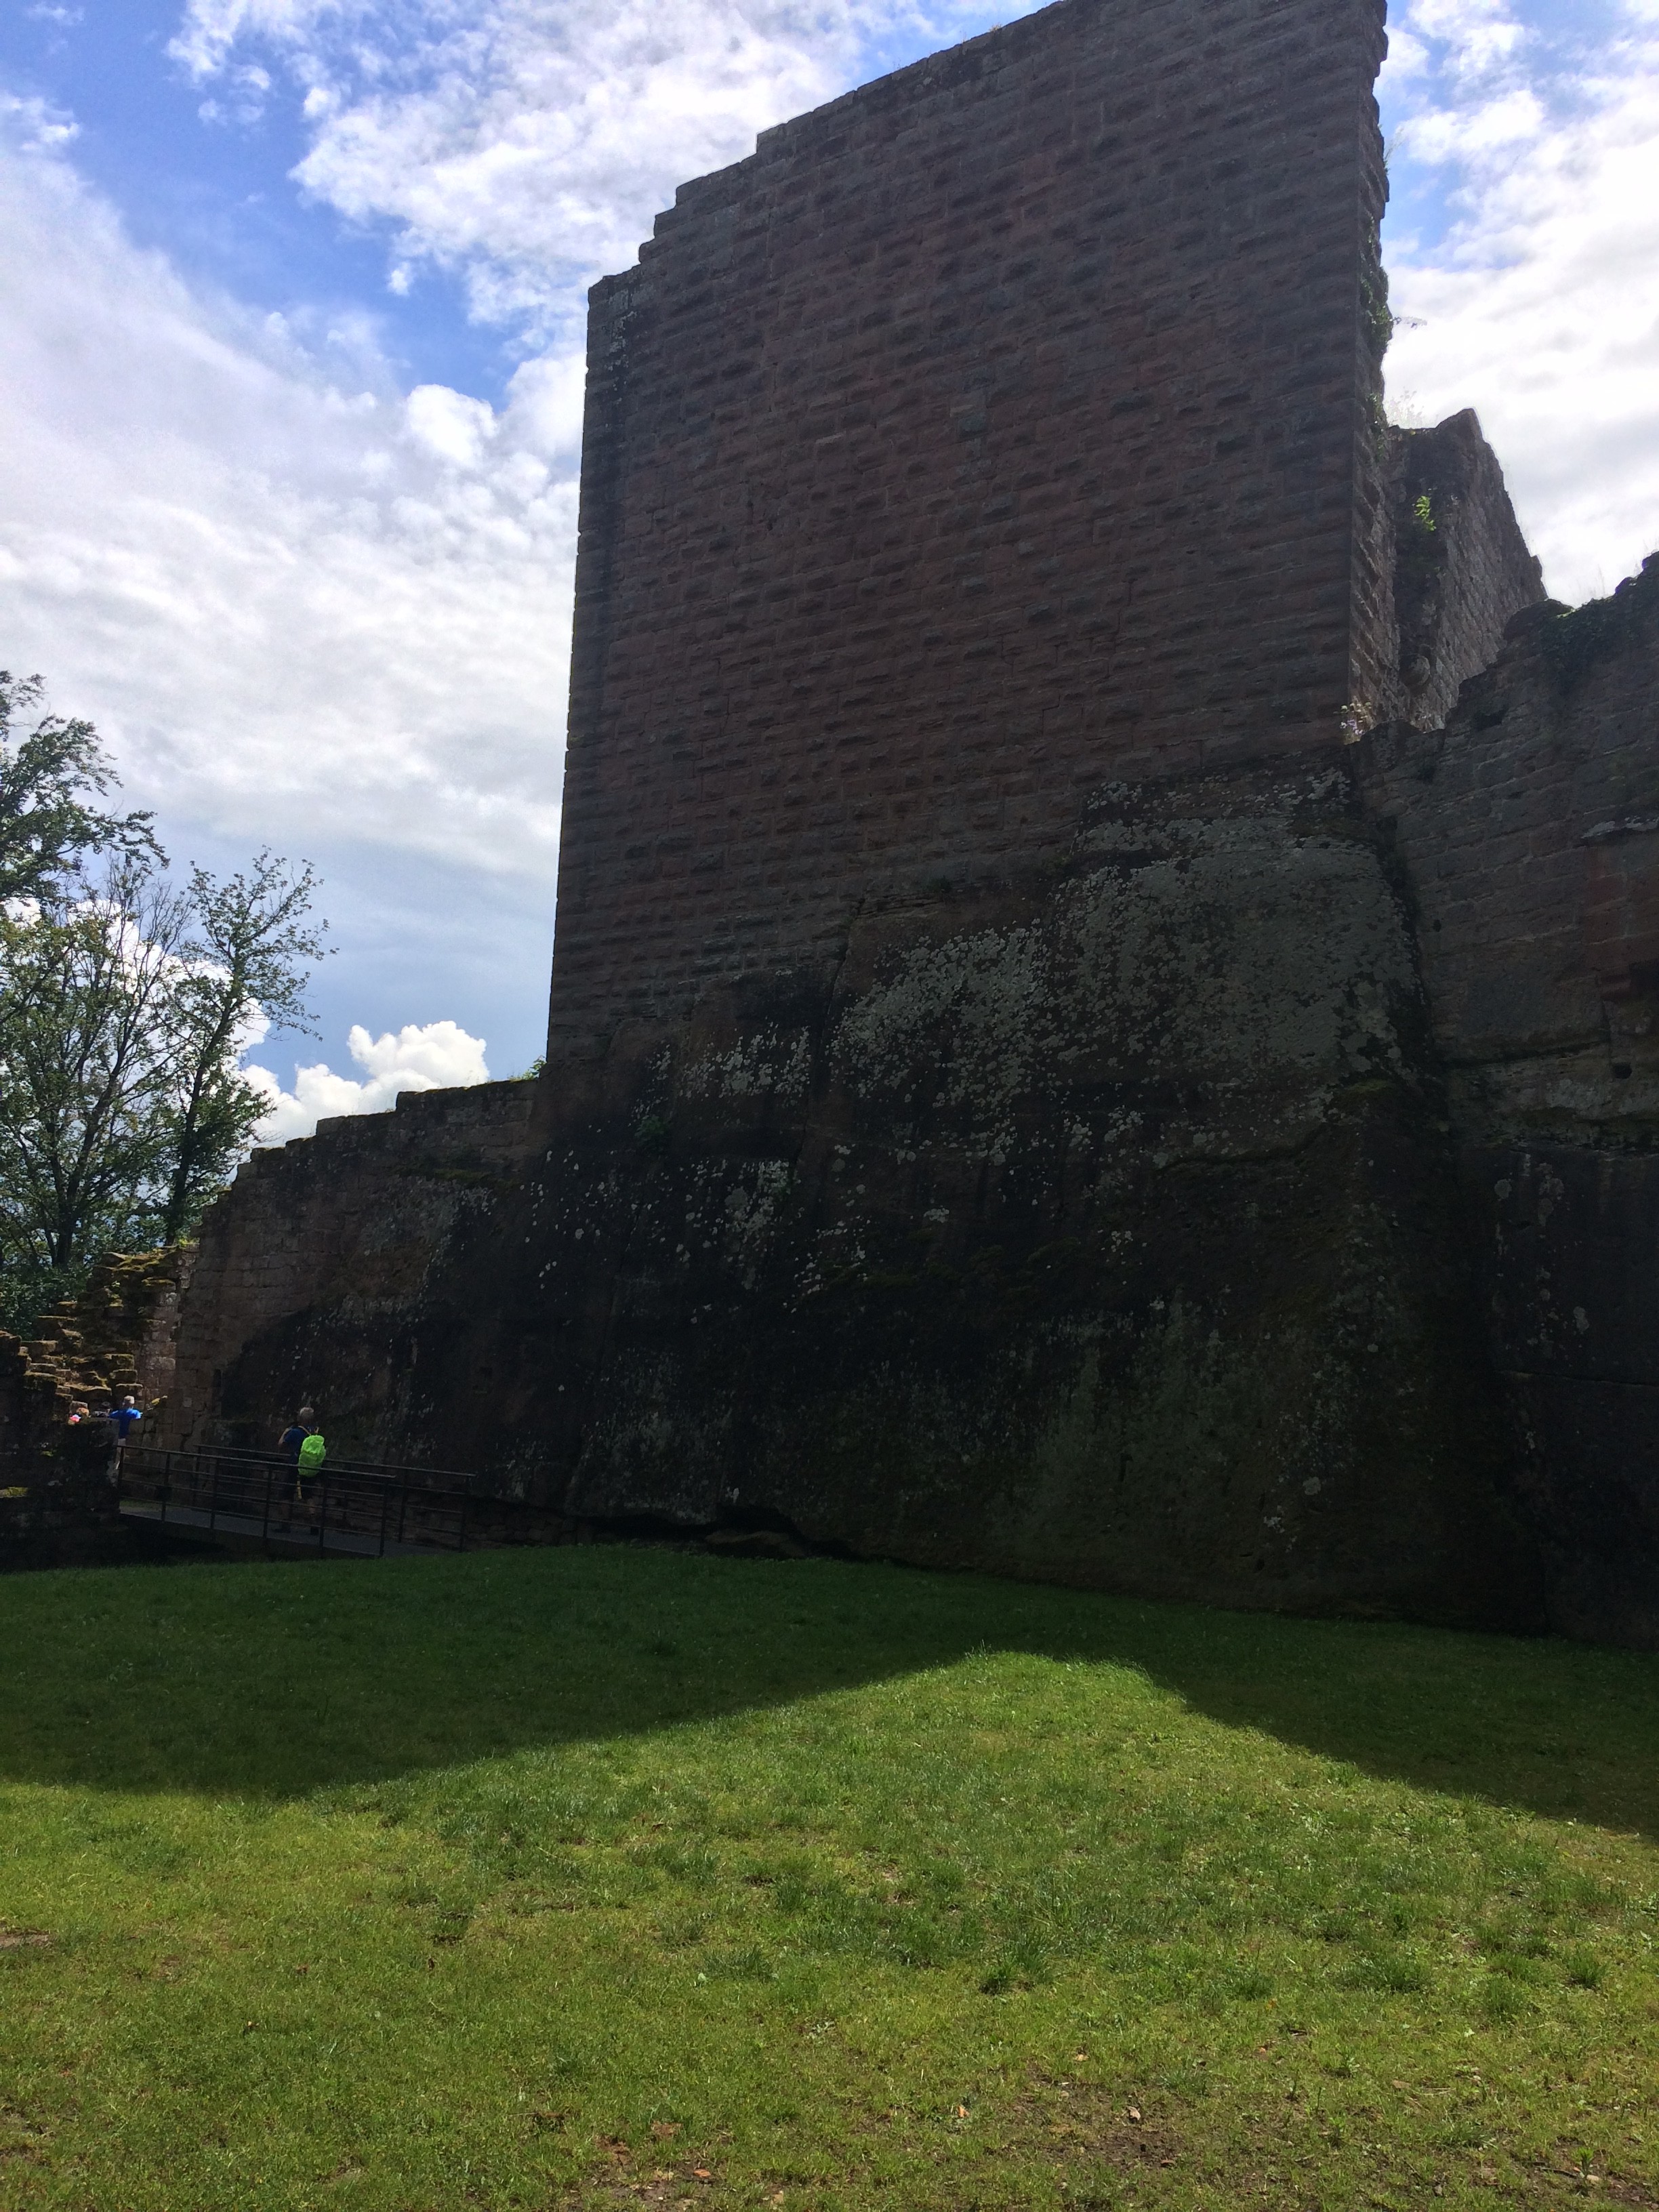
{"points": [[123, 1015], [249, 935], [125, 1007], [46, 826], [86, 1045]]}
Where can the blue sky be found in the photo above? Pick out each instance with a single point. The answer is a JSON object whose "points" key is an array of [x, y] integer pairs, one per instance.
{"points": [[291, 296], [216, 193]]}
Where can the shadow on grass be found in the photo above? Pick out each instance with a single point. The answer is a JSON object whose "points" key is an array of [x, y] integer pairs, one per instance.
{"points": [[270, 1681]]}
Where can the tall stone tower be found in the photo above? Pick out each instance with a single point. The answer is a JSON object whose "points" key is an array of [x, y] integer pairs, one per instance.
{"points": [[1008, 426]]}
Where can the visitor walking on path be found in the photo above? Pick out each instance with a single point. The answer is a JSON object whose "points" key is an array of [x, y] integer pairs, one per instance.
{"points": [[295, 1438]]}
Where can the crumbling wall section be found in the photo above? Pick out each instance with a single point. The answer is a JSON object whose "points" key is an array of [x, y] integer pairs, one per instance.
{"points": [[1529, 828], [320, 1274], [118, 1337], [1462, 569]]}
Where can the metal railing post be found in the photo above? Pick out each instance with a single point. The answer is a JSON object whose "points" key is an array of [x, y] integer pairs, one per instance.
{"points": [[265, 1526], [460, 1533], [402, 1508], [386, 1507], [213, 1498], [322, 1513]]}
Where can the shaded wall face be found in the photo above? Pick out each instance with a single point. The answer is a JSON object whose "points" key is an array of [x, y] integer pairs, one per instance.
{"points": [[335, 1274], [1529, 829], [993, 430], [1100, 1227]]}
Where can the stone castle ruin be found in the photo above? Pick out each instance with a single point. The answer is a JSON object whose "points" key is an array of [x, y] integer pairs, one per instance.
{"points": [[1108, 937]]}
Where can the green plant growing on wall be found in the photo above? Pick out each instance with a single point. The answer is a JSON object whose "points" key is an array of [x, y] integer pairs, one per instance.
{"points": [[1375, 311]]}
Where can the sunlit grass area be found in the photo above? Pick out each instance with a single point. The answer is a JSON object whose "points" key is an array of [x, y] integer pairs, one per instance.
{"points": [[612, 1876]]}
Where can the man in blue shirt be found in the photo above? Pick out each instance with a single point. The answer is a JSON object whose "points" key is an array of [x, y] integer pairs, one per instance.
{"points": [[295, 1434], [123, 1419]]}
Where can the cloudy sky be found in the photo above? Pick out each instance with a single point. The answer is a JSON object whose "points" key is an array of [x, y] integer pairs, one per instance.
{"points": [[291, 303]]}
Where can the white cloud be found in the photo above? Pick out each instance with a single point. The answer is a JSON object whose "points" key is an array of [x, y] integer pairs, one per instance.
{"points": [[528, 143], [448, 423], [1540, 304], [437, 1056], [286, 595]]}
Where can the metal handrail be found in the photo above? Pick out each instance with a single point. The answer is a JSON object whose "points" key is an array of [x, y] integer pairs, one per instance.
{"points": [[381, 1466], [233, 1483]]}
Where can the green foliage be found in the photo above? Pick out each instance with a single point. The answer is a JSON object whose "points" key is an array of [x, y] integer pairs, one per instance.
{"points": [[86, 1077], [124, 1006], [573, 1877], [46, 776], [1423, 516], [248, 940], [1375, 315]]}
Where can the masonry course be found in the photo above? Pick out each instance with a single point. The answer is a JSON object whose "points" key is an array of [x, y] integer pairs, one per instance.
{"points": [[1025, 1089], [998, 425]]}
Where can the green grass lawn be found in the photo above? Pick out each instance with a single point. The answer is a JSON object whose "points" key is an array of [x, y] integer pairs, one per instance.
{"points": [[615, 1876]]}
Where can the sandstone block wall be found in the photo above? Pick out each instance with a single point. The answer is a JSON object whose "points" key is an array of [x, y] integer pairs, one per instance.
{"points": [[320, 1276], [1007, 424], [1461, 566]]}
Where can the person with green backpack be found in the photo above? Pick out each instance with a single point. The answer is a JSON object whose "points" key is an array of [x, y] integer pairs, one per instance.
{"points": [[305, 1448]]}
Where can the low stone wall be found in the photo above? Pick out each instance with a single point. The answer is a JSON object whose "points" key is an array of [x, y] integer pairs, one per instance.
{"points": [[327, 1275]]}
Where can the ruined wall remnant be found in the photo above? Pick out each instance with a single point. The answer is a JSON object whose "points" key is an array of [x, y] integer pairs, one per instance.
{"points": [[1530, 830], [1024, 1090], [58, 1505], [119, 1335], [323, 1277], [1461, 566]]}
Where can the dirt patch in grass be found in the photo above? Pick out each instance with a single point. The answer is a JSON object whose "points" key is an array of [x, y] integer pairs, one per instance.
{"points": [[1077, 2124], [626, 2179]]}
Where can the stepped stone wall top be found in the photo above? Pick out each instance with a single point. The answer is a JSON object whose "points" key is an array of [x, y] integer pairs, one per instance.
{"points": [[1007, 424]]}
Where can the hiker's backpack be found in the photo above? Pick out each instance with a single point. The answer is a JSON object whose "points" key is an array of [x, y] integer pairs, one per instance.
{"points": [[312, 1452]]}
